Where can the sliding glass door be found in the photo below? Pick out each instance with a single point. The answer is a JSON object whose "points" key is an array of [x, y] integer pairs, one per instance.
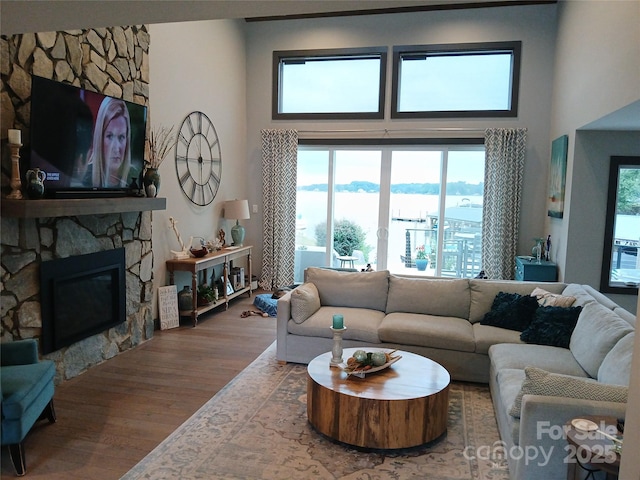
{"points": [[386, 207]]}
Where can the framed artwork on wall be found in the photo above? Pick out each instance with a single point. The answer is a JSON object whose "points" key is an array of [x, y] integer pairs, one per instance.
{"points": [[557, 177]]}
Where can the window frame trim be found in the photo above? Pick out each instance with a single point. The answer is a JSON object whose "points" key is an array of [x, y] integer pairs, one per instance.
{"points": [[443, 145], [514, 47], [276, 86], [615, 164]]}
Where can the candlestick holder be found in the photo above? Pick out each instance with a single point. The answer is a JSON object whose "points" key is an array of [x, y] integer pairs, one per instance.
{"points": [[337, 346], [16, 183]]}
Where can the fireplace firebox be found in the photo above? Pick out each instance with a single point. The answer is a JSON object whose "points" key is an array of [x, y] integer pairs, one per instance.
{"points": [[81, 296]]}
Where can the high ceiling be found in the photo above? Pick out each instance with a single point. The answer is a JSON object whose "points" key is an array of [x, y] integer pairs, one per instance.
{"points": [[19, 16]]}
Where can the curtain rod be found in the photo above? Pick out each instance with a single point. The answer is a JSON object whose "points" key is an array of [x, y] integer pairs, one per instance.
{"points": [[400, 130]]}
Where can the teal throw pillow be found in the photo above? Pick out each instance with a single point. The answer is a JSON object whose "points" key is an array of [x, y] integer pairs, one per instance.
{"points": [[552, 326], [511, 311]]}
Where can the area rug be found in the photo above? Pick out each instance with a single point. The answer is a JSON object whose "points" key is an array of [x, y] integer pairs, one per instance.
{"points": [[256, 428]]}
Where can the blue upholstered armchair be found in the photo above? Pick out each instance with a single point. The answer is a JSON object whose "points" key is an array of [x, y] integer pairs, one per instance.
{"points": [[26, 391]]}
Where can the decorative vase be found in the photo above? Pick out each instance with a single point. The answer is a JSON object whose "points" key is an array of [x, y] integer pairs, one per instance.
{"points": [[151, 182], [538, 249], [185, 299], [35, 183], [422, 263]]}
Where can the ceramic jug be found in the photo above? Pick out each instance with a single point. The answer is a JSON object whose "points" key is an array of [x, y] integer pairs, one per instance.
{"points": [[185, 299], [35, 183]]}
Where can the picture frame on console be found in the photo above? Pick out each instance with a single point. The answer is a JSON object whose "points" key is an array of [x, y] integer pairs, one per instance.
{"points": [[229, 287]]}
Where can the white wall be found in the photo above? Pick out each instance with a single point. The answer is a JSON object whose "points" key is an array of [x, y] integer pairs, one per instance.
{"points": [[606, 35], [588, 205], [597, 71], [630, 464], [534, 25], [197, 66]]}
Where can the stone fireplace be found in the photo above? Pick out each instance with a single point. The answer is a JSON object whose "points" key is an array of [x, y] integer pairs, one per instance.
{"points": [[113, 61], [28, 242], [81, 296]]}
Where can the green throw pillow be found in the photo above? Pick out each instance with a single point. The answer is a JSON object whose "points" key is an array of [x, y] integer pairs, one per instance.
{"points": [[541, 382], [552, 326], [511, 311]]}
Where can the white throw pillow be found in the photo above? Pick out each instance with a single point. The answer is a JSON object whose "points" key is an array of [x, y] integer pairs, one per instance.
{"points": [[305, 301], [541, 382], [548, 299]]}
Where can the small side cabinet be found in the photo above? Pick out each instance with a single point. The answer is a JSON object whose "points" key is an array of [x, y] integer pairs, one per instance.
{"points": [[529, 270]]}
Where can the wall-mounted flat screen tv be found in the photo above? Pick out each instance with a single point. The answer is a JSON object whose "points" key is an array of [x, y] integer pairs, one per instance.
{"points": [[83, 140]]}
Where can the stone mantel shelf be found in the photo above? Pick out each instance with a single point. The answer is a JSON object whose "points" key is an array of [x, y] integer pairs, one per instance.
{"points": [[75, 207]]}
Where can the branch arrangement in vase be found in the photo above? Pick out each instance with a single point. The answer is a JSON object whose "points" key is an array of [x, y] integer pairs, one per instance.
{"points": [[161, 140]]}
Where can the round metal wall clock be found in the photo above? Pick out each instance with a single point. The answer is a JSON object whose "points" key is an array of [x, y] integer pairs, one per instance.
{"points": [[198, 159]]}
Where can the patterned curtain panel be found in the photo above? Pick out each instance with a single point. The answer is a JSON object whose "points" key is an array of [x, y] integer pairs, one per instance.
{"points": [[279, 168], [504, 166]]}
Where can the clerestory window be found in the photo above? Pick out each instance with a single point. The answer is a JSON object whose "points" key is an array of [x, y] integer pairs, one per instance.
{"points": [[329, 84], [456, 80]]}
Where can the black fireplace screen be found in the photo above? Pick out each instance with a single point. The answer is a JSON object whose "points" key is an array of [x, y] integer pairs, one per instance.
{"points": [[81, 296]]}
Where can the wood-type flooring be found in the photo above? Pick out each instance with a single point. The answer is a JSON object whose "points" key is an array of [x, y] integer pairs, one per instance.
{"points": [[113, 415]]}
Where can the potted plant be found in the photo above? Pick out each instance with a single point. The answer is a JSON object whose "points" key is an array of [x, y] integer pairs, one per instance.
{"points": [[421, 258], [206, 295]]}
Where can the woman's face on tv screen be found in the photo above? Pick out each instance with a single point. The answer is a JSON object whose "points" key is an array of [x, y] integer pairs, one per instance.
{"points": [[114, 144]]}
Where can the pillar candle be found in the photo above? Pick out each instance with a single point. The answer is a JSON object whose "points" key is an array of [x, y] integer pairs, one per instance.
{"points": [[15, 136], [338, 322]]}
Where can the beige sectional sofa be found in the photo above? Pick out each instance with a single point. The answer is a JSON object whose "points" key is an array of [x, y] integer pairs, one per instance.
{"points": [[442, 320]]}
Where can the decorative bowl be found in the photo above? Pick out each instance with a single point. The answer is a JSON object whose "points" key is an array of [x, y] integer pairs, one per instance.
{"points": [[198, 253]]}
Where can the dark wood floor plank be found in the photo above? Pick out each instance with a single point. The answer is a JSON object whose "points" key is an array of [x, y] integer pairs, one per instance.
{"points": [[113, 415]]}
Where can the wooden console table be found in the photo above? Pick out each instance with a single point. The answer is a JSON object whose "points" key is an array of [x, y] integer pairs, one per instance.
{"points": [[194, 265]]}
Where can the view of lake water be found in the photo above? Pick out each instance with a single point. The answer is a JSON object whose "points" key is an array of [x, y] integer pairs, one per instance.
{"points": [[362, 209]]}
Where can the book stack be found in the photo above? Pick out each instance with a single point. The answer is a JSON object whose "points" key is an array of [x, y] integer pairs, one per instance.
{"points": [[237, 278]]}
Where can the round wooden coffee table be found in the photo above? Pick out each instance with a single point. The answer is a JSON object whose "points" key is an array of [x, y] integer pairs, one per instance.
{"points": [[403, 406]]}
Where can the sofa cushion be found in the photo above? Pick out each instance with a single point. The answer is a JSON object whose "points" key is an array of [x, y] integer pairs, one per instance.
{"points": [[511, 311], [597, 331], [548, 299], [486, 336], [627, 316], [600, 297], [362, 324], [448, 333], [541, 382], [510, 382], [576, 290], [552, 326], [350, 289], [305, 301], [616, 366], [553, 359], [484, 291], [433, 296]]}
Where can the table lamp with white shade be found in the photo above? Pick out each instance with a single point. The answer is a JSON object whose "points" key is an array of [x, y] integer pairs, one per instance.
{"points": [[237, 210]]}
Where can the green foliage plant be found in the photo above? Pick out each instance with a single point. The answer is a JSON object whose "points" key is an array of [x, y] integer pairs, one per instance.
{"points": [[347, 237], [206, 293]]}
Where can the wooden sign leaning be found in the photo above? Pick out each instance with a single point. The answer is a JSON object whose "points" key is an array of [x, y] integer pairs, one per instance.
{"points": [[168, 307]]}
